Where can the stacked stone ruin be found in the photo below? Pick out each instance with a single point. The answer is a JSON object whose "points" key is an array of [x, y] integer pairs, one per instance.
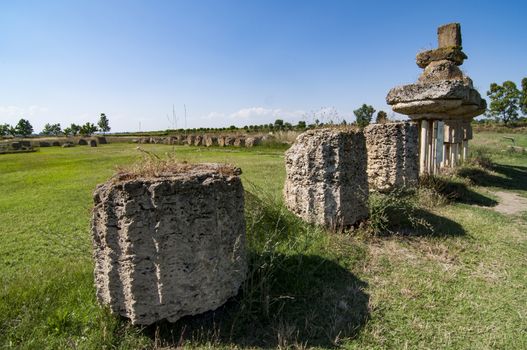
{"points": [[170, 244], [443, 102]]}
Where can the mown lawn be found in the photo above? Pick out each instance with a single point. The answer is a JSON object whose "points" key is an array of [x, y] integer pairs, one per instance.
{"points": [[462, 286]]}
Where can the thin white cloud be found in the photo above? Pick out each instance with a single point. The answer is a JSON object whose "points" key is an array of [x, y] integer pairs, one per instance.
{"points": [[261, 114], [214, 115], [9, 112]]}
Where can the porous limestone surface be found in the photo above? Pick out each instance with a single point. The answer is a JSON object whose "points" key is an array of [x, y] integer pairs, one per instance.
{"points": [[442, 99], [198, 140], [169, 246], [211, 141], [253, 141], [449, 35], [452, 54], [393, 158], [326, 180], [441, 70]]}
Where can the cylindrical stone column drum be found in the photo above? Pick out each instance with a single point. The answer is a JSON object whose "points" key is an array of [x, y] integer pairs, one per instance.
{"points": [[169, 245]]}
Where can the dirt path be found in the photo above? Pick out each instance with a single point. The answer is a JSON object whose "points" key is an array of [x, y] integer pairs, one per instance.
{"points": [[510, 203]]}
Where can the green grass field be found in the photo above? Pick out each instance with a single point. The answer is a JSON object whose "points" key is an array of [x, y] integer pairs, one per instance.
{"points": [[461, 287]]}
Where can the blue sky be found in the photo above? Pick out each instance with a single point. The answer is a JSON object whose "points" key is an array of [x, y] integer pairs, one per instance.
{"points": [[233, 62]]}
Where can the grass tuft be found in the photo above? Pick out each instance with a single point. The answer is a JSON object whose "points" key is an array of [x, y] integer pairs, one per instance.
{"points": [[393, 212], [153, 166]]}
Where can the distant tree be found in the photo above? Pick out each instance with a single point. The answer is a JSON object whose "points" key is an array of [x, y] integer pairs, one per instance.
{"points": [[232, 127], [382, 117], [87, 129], [288, 126], [51, 129], [523, 101], [72, 130], [103, 123], [504, 101], [364, 114], [5, 129], [301, 125], [23, 128], [278, 124]]}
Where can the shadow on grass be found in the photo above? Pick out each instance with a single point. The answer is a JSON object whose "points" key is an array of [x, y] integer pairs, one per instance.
{"points": [[456, 191], [511, 177], [298, 300], [438, 226]]}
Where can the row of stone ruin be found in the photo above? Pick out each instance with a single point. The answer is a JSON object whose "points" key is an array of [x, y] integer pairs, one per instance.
{"points": [[16, 146], [330, 172], [205, 140], [174, 244], [68, 142]]}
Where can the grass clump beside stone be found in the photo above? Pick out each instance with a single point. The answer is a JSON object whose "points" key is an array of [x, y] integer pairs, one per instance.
{"points": [[395, 211]]}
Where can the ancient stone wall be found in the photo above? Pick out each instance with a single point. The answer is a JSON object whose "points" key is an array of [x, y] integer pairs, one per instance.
{"points": [[169, 246], [393, 155], [326, 181]]}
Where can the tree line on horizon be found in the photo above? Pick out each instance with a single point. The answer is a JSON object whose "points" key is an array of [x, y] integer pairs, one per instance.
{"points": [[508, 104], [24, 128]]}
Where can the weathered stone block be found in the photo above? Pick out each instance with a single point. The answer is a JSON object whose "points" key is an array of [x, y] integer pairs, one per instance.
{"points": [[441, 70], [449, 35], [198, 141], [326, 180], [229, 141], [452, 54], [393, 155], [239, 142], [211, 141], [170, 245], [253, 141]]}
